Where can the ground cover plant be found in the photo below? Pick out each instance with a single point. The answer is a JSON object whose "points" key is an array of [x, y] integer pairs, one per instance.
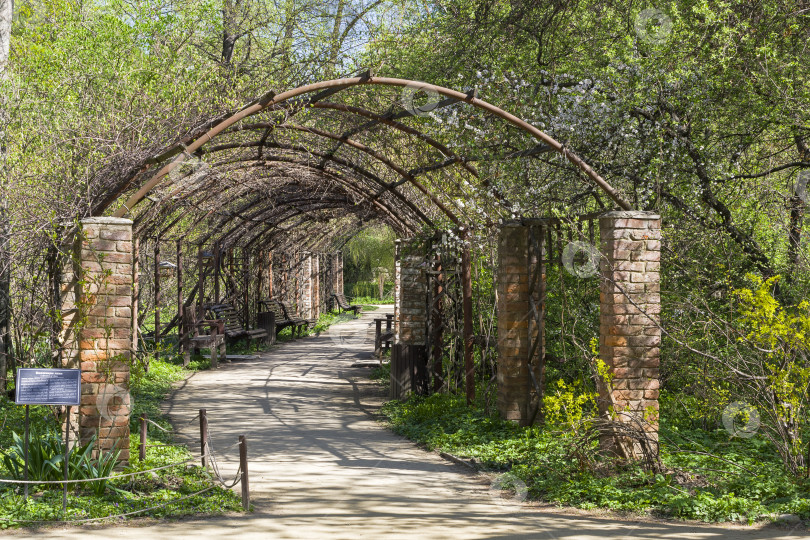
{"points": [[708, 475], [179, 490]]}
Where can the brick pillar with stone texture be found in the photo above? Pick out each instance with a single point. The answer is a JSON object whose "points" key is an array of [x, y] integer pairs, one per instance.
{"points": [[629, 332], [97, 329], [315, 286], [337, 272], [409, 353], [517, 399], [305, 271]]}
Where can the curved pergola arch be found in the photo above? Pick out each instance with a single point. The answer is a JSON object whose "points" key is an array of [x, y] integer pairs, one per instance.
{"points": [[308, 132]]}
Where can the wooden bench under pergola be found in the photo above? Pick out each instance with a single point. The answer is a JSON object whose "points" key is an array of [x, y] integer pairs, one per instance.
{"points": [[283, 319], [342, 304], [233, 327], [213, 339]]}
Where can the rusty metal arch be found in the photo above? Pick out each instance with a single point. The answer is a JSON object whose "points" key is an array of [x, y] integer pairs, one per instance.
{"points": [[326, 88]]}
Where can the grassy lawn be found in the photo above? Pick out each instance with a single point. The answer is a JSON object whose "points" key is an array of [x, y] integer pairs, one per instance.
{"points": [[739, 480]]}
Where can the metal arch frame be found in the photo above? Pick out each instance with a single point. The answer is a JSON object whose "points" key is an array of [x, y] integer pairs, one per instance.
{"points": [[339, 84], [350, 187], [361, 171], [387, 211], [408, 177]]}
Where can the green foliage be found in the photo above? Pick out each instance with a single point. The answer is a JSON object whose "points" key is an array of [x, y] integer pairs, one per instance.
{"points": [[365, 256], [46, 453], [707, 476], [94, 499], [779, 339]]}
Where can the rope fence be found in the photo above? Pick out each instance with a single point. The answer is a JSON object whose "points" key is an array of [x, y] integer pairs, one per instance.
{"points": [[207, 457]]}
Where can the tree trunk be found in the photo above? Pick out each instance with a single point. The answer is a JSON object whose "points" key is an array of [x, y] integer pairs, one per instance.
{"points": [[335, 41], [5, 227], [797, 205]]}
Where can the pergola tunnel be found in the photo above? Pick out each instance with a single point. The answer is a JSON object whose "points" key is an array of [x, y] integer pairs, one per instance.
{"points": [[241, 225]]}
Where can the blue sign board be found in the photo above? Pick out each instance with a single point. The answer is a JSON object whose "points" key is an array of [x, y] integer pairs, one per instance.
{"points": [[49, 386]]}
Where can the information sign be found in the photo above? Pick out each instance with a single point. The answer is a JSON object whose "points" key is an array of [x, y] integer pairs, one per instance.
{"points": [[48, 386]]}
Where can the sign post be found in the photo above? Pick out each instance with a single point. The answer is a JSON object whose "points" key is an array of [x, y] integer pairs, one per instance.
{"points": [[49, 387]]}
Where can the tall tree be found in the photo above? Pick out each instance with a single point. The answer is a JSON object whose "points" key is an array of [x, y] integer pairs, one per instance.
{"points": [[6, 10]]}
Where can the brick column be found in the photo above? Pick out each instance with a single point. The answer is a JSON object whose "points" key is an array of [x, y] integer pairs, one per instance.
{"points": [[315, 286], [305, 286], [409, 354], [337, 272], [410, 317], [517, 399], [97, 329], [629, 335]]}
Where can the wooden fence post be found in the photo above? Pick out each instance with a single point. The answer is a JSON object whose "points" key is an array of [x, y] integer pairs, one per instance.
{"points": [[204, 437], [243, 463], [142, 446]]}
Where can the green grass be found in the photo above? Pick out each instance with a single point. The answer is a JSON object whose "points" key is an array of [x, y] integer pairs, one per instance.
{"points": [[371, 300], [697, 487], [127, 494]]}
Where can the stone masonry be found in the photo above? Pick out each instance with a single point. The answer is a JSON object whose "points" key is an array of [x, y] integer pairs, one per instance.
{"points": [[305, 271], [410, 297], [629, 334], [97, 329], [337, 272], [315, 286], [516, 400]]}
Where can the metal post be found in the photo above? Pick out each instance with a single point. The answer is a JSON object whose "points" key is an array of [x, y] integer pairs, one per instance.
{"points": [[246, 292], [200, 277], [466, 288], [25, 452], [136, 291], [270, 275], [67, 456], [157, 298], [243, 463], [204, 437], [142, 446], [180, 308], [217, 262]]}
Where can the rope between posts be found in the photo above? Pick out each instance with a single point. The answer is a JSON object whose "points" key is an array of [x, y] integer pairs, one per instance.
{"points": [[161, 428], [87, 520], [215, 465], [113, 477]]}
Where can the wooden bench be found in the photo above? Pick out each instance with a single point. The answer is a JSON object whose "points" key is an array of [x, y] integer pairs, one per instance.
{"points": [[383, 337], [292, 315], [213, 340], [342, 304], [282, 317], [233, 326]]}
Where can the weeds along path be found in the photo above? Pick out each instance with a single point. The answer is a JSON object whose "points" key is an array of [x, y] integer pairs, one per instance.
{"points": [[321, 466]]}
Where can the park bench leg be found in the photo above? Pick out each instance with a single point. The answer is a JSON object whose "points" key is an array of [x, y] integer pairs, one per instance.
{"points": [[214, 356]]}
